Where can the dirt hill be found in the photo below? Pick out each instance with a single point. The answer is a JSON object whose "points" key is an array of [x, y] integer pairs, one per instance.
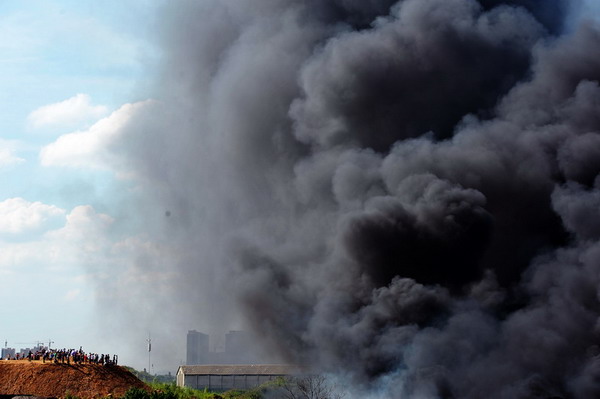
{"points": [[22, 377]]}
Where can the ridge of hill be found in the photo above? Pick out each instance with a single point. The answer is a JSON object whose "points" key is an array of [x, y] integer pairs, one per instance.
{"points": [[56, 380]]}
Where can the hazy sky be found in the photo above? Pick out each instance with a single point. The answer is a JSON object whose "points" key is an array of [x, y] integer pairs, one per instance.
{"points": [[72, 73], [66, 70]]}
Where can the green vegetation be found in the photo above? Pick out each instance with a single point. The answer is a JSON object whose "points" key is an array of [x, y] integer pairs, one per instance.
{"points": [[149, 378], [172, 391], [311, 387]]}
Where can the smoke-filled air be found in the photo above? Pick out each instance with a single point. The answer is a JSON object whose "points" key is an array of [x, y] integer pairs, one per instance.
{"points": [[401, 194]]}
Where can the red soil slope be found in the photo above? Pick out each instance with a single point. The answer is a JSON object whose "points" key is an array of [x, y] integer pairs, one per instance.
{"points": [[22, 377]]}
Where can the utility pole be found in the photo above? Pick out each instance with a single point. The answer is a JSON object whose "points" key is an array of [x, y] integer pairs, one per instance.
{"points": [[149, 351]]}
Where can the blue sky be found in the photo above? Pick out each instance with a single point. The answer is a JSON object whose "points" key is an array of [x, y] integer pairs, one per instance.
{"points": [[51, 51], [67, 68]]}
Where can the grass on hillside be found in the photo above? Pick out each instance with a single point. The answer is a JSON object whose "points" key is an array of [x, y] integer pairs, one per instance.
{"points": [[172, 391], [149, 378]]}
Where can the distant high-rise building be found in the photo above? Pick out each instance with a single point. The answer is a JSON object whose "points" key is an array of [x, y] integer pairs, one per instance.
{"points": [[8, 353], [197, 348]]}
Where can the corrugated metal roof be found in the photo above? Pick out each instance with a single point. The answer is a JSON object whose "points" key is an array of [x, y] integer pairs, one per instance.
{"points": [[240, 369]]}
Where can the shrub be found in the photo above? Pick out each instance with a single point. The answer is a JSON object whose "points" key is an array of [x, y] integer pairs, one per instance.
{"points": [[309, 387], [136, 393]]}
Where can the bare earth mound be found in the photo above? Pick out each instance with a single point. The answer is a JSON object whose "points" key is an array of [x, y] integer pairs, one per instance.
{"points": [[22, 377]]}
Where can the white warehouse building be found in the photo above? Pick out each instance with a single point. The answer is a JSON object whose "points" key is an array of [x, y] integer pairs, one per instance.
{"points": [[223, 377]]}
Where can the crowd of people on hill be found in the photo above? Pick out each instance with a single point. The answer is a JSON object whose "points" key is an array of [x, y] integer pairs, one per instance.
{"points": [[67, 356]]}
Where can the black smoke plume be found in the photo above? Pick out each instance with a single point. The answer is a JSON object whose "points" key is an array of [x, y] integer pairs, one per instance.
{"points": [[402, 193]]}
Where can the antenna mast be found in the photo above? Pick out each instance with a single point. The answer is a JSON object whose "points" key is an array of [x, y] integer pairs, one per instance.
{"points": [[149, 340]]}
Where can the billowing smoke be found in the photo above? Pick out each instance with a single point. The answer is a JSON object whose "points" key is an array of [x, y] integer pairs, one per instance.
{"points": [[402, 193]]}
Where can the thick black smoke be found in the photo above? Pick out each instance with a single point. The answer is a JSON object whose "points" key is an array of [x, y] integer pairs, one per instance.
{"points": [[551, 14], [402, 193]]}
